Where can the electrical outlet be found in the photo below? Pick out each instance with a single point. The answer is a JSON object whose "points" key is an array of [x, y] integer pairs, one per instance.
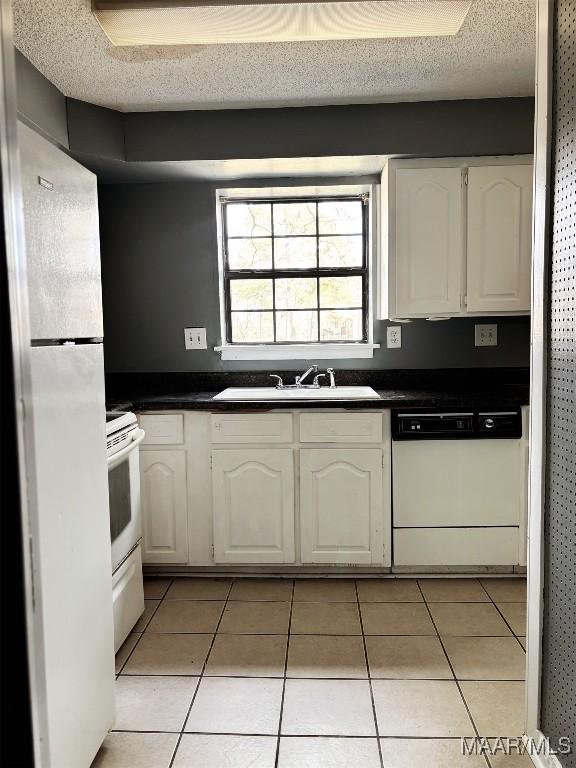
{"points": [[486, 335], [394, 336], [195, 338]]}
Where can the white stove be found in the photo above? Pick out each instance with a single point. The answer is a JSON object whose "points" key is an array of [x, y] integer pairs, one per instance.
{"points": [[123, 436]]}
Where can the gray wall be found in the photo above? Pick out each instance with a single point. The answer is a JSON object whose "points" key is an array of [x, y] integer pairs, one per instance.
{"points": [[159, 270], [40, 104], [464, 127], [159, 240]]}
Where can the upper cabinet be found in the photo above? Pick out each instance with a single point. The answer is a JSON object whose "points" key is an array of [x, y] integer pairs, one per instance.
{"points": [[429, 242], [456, 237], [499, 238]]}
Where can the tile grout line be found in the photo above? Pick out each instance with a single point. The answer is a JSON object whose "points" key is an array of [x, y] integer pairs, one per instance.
{"points": [[200, 677], [277, 756], [338, 679], [504, 619], [476, 731], [298, 736], [369, 675], [160, 601]]}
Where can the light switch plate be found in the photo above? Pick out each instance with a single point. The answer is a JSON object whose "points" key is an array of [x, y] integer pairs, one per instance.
{"points": [[195, 338], [394, 336], [486, 335]]}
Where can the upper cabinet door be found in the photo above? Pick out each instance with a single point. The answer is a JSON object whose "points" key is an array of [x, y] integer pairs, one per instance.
{"points": [[429, 241], [499, 238], [253, 495]]}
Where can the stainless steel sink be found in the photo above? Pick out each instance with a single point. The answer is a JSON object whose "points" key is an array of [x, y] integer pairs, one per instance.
{"points": [[272, 393]]}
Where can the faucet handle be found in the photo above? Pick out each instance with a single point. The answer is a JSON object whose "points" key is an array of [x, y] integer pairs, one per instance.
{"points": [[316, 382], [279, 383]]}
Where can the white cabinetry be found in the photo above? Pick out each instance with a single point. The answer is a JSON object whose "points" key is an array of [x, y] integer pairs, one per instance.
{"points": [[164, 506], [499, 238], [253, 498], [456, 237], [164, 489], [341, 516], [282, 487], [429, 241]]}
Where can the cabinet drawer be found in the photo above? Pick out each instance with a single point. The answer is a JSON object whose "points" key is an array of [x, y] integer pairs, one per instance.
{"points": [[341, 428], [163, 429], [456, 546], [251, 428]]}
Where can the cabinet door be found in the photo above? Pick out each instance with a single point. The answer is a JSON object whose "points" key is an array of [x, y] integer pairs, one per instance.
{"points": [[341, 506], [253, 494], [164, 506], [499, 238], [429, 241]]}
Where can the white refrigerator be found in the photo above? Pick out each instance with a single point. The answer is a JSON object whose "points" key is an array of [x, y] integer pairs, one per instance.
{"points": [[72, 627]]}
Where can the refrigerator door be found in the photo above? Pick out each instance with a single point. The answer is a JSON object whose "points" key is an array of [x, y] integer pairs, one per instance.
{"points": [[73, 618], [62, 242]]}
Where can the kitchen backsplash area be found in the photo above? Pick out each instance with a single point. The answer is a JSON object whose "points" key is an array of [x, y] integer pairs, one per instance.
{"points": [[160, 275]]}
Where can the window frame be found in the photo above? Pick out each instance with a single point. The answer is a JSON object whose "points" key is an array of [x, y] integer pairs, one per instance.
{"points": [[317, 272]]}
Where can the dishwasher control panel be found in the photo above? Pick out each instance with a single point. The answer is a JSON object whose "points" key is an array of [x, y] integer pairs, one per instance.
{"points": [[446, 425]]}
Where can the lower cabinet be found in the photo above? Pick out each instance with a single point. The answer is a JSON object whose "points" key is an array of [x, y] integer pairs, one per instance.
{"points": [[253, 505], [164, 506], [341, 503]]}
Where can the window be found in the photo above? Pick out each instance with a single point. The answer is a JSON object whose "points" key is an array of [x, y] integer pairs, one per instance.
{"points": [[295, 270]]}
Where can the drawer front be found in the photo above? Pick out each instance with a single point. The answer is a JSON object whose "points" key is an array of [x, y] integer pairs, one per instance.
{"points": [[251, 428], [127, 596], [456, 546], [341, 428], [163, 429]]}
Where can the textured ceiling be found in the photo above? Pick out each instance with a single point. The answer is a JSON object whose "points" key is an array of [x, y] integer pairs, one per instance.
{"points": [[492, 56]]}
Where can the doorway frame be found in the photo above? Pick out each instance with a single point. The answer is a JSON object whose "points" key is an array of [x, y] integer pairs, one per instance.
{"points": [[538, 375]]}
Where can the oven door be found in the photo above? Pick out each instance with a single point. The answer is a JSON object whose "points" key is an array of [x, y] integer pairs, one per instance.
{"points": [[124, 499]]}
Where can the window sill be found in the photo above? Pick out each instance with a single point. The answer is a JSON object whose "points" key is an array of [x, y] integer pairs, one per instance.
{"points": [[296, 351]]}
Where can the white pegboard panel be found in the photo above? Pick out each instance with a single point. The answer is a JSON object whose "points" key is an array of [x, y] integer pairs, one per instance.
{"points": [[558, 714]]}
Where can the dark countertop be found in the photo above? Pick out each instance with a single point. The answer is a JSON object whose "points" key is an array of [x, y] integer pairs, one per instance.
{"points": [[511, 397], [433, 388]]}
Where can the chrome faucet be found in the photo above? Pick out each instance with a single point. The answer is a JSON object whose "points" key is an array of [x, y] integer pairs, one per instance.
{"points": [[300, 379], [298, 383]]}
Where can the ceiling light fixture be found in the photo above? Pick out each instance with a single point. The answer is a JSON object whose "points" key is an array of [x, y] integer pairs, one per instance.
{"points": [[214, 22]]}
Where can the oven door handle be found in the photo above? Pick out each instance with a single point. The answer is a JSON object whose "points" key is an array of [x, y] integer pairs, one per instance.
{"points": [[118, 458]]}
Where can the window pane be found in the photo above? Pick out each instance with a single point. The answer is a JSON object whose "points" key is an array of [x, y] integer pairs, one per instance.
{"points": [[251, 294], [250, 254], [295, 252], [341, 325], [248, 219], [340, 217], [341, 251], [296, 293], [341, 291], [252, 327], [294, 218], [296, 326]]}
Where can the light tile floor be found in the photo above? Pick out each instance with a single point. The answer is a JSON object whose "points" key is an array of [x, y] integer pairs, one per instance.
{"points": [[319, 673]]}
